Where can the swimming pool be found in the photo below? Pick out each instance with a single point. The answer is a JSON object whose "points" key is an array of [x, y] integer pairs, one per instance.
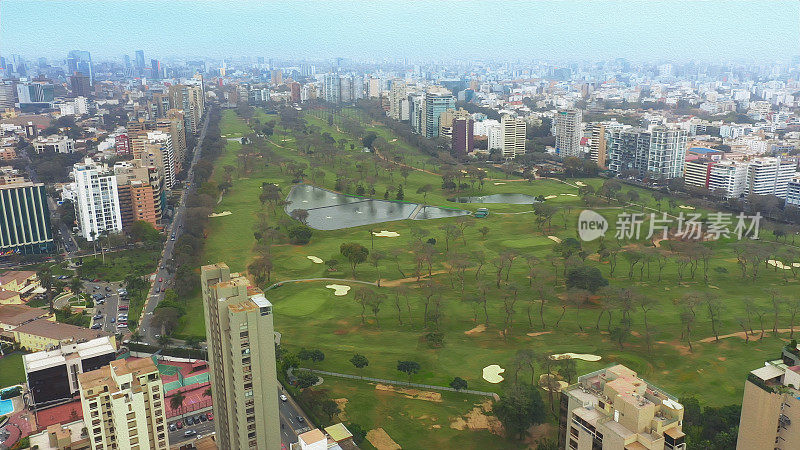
{"points": [[6, 407]]}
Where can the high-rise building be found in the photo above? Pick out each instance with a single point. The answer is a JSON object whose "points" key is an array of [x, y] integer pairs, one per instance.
{"points": [[294, 89], [124, 406], [374, 88], [141, 192], [160, 153], [52, 375], [80, 61], [728, 178], [331, 88], [769, 176], [35, 92], [8, 95], [435, 105], [771, 405], [139, 62], [276, 77], [463, 136], [513, 131], [155, 68], [241, 358], [614, 409], [793, 191], [568, 132], [191, 100], [24, 218], [97, 199], [697, 172], [176, 127], [597, 145], [397, 93], [80, 84], [666, 154]]}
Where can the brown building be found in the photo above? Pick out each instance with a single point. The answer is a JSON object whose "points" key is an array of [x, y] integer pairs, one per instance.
{"points": [[771, 405], [614, 409], [136, 203], [8, 153]]}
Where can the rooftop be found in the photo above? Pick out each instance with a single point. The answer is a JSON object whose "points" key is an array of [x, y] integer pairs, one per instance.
{"points": [[310, 437], [16, 315], [59, 331], [49, 358]]}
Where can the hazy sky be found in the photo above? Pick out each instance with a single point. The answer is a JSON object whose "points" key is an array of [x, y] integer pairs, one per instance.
{"points": [[713, 30]]}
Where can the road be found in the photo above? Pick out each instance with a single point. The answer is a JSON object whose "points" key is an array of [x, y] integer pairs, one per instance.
{"points": [[154, 296], [290, 425]]}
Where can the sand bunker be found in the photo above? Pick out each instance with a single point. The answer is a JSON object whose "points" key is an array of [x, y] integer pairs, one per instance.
{"points": [[339, 289], [685, 207], [538, 333], [314, 259], [580, 183], [550, 196], [479, 329], [498, 184], [342, 404], [381, 440], [477, 420], [583, 356], [385, 233], [781, 265], [223, 213], [554, 239], [410, 393], [570, 195], [492, 373], [393, 140]]}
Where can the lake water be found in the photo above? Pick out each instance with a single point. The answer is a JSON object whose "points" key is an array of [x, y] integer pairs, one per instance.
{"points": [[331, 211], [513, 199]]}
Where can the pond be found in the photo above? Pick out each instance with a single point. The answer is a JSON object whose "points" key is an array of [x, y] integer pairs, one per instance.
{"points": [[331, 211], [513, 199]]}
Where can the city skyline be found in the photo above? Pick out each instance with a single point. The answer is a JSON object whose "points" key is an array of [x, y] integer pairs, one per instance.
{"points": [[671, 30]]}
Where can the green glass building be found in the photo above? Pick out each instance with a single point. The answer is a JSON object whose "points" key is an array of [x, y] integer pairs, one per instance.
{"points": [[24, 220]]}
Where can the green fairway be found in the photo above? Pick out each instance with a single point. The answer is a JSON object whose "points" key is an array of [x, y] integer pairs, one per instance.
{"points": [[668, 282]]}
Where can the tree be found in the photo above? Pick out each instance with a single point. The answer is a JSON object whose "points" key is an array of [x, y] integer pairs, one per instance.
{"points": [[330, 408], [359, 362], [375, 259], [484, 231], [585, 277], [261, 268], [355, 253], [163, 341], [45, 277], [176, 402], [519, 408], [76, 285], [305, 379], [458, 383], [408, 367], [299, 234]]}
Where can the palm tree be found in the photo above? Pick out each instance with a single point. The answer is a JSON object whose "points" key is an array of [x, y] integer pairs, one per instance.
{"points": [[46, 281], [176, 402], [76, 285], [163, 341]]}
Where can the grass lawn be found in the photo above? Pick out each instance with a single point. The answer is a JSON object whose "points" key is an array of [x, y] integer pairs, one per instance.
{"points": [[120, 264], [309, 315], [11, 370]]}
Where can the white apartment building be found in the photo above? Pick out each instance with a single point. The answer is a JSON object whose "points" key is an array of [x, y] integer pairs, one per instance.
{"points": [[729, 177], [159, 152], [54, 144], [667, 153], [513, 136], [793, 191], [397, 94], [495, 137], [124, 406], [77, 106], [568, 132], [769, 176], [96, 199]]}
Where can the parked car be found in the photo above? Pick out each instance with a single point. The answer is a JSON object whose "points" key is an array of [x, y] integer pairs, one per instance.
{"points": [[100, 302], [179, 424], [123, 307], [202, 418], [122, 325], [96, 280], [160, 279], [108, 288], [210, 416], [284, 398], [113, 320], [189, 421], [172, 427], [97, 326], [301, 419], [188, 433]]}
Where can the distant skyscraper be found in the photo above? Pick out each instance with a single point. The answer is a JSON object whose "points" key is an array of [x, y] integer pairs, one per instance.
{"points": [[155, 68], [139, 62], [397, 93], [463, 138], [80, 85], [435, 105], [241, 359], [568, 132], [80, 61]]}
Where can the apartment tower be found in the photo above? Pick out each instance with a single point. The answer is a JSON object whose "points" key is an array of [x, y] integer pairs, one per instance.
{"points": [[241, 358], [513, 136], [568, 132], [123, 406]]}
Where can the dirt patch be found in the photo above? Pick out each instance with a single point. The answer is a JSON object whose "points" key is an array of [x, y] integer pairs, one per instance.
{"points": [[476, 420], [398, 282], [411, 393], [479, 329], [342, 404], [538, 333], [722, 358], [537, 433], [753, 337], [381, 440]]}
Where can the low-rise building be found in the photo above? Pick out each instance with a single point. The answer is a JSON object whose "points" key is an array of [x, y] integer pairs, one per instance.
{"points": [[58, 436], [614, 409], [54, 144], [44, 334]]}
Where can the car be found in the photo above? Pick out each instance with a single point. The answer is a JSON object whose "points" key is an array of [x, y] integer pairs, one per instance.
{"points": [[123, 307], [101, 302], [301, 419], [188, 433], [179, 424], [108, 288], [113, 320], [197, 418], [122, 317], [202, 417], [210, 416], [160, 279], [96, 280], [284, 398], [97, 326], [172, 427], [163, 289], [97, 316], [189, 421], [100, 296], [122, 325]]}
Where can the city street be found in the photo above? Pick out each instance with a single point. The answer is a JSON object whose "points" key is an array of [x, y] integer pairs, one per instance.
{"points": [[155, 295]]}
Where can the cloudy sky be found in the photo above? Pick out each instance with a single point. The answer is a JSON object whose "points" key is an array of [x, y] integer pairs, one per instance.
{"points": [[710, 30]]}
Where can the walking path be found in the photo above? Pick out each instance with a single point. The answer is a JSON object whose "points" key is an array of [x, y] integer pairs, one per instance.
{"points": [[416, 211], [402, 383]]}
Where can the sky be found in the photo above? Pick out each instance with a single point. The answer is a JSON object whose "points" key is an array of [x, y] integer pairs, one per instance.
{"points": [[567, 30]]}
